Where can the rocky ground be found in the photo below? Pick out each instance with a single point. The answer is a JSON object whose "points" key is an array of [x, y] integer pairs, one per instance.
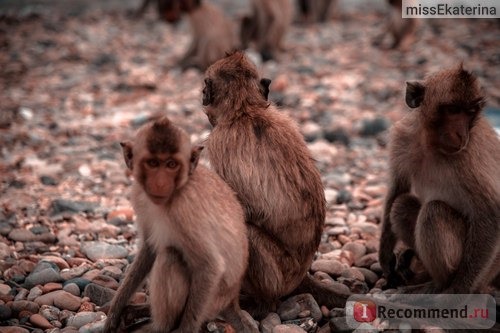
{"points": [[73, 84]]}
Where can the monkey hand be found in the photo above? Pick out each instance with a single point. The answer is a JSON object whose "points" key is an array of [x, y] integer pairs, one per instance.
{"points": [[387, 260]]}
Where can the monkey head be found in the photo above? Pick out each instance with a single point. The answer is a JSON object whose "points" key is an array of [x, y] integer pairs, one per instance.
{"points": [[232, 84], [450, 102], [171, 10], [161, 159]]}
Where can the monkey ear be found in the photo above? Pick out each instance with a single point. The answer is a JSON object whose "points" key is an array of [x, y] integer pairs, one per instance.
{"points": [[127, 153], [208, 94], [265, 83], [195, 157], [415, 92]]}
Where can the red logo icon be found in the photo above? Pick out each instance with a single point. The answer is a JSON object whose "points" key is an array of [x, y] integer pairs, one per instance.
{"points": [[364, 311]]}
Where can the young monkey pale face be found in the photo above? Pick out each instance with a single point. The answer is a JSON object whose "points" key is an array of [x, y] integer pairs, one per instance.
{"points": [[160, 169]]}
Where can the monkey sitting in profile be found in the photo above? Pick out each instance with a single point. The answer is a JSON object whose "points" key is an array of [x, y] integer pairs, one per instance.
{"points": [[192, 232], [267, 26], [401, 30], [444, 194], [213, 34], [261, 154], [316, 10]]}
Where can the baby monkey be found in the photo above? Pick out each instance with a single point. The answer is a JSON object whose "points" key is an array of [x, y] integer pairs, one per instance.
{"points": [[192, 232]]}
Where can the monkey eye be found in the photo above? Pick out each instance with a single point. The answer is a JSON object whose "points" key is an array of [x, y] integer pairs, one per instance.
{"points": [[471, 111], [153, 163], [172, 164]]}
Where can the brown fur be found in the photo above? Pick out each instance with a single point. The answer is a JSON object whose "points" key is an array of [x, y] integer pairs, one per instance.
{"points": [[267, 26], [260, 153], [401, 30], [213, 34], [316, 10], [192, 231], [444, 170], [168, 10]]}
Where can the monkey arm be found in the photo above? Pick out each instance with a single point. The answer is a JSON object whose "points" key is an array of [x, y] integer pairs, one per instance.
{"points": [[205, 278], [137, 272], [479, 253], [388, 239]]}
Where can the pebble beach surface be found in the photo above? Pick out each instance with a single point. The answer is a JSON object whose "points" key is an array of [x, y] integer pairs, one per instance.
{"points": [[75, 84]]}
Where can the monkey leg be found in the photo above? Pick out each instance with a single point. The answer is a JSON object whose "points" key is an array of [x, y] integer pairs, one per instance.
{"points": [[169, 291], [137, 272], [403, 218], [439, 239], [403, 215], [272, 271]]}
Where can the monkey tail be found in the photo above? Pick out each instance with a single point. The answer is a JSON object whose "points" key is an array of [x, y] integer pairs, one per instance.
{"points": [[323, 293]]}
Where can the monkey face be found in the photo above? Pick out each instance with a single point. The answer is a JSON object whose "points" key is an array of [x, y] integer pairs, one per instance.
{"points": [[450, 103], [158, 174], [208, 92], [161, 159], [169, 10], [454, 124]]}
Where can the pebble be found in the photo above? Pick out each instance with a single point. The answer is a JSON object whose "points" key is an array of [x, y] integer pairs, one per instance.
{"points": [[101, 250], [88, 306], [59, 206], [51, 313], [366, 227], [339, 135], [84, 318], [112, 271], [335, 231], [60, 262], [288, 329], [331, 267], [376, 267], [353, 273], [370, 277], [18, 306], [75, 272], [51, 286], [343, 196], [39, 321], [72, 288], [5, 312], [105, 281], [357, 249], [49, 181], [339, 324], [367, 260], [96, 327], [80, 282], [23, 235], [13, 329], [5, 250], [330, 195], [42, 276], [34, 293], [4, 289], [60, 299], [371, 127], [294, 306], [98, 294]]}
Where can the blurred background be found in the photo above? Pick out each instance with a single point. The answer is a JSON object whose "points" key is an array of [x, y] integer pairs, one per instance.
{"points": [[79, 76]]}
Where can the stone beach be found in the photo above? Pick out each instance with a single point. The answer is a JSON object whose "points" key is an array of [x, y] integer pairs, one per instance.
{"points": [[74, 83]]}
